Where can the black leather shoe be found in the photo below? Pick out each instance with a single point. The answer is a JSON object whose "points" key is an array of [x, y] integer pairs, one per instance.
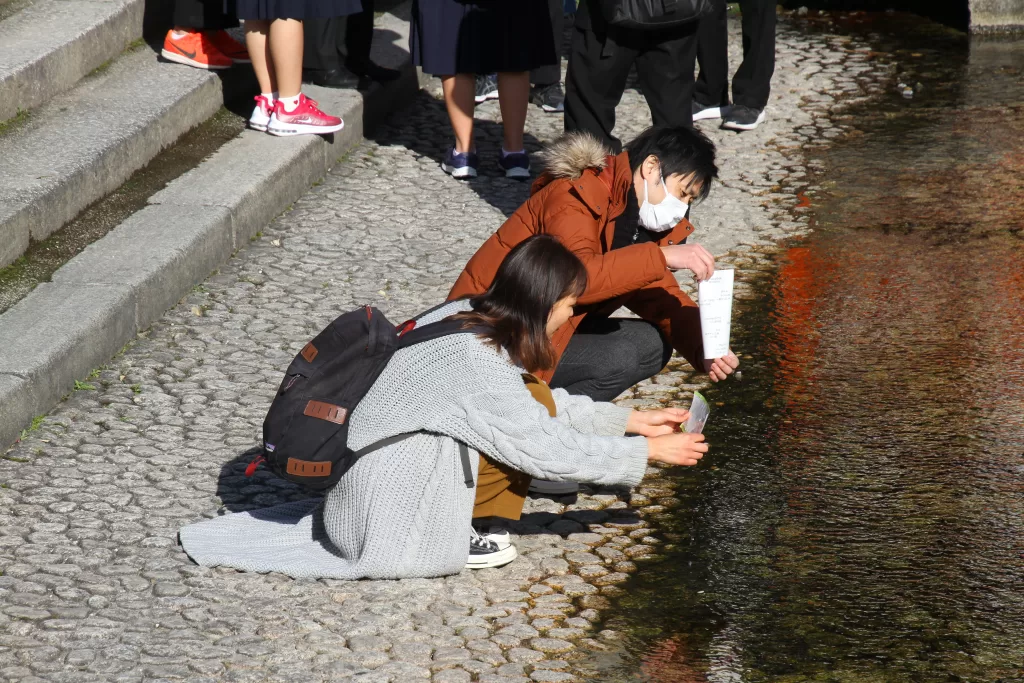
{"points": [[375, 72], [331, 78]]}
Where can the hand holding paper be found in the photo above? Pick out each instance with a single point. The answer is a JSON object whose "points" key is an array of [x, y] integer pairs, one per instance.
{"points": [[715, 301]]}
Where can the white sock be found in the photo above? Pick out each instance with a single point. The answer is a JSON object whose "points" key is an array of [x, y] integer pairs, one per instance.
{"points": [[178, 35], [505, 152], [290, 103], [270, 97]]}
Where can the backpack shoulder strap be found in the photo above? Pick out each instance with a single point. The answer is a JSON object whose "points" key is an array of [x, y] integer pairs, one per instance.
{"points": [[467, 471], [441, 328]]}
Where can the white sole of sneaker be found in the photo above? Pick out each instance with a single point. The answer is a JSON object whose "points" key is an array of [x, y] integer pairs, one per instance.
{"points": [[552, 110], [732, 125], [261, 127], [711, 113], [284, 130], [182, 59], [490, 96], [498, 559], [460, 173]]}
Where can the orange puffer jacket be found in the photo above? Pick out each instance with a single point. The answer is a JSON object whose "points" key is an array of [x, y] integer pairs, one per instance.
{"points": [[577, 199]]}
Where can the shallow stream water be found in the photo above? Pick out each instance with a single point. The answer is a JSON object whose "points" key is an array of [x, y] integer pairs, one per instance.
{"points": [[861, 516]]}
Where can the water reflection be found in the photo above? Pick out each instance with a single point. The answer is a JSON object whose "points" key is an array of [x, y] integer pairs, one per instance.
{"points": [[864, 517]]}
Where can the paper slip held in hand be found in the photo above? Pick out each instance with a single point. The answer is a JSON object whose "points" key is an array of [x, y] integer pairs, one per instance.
{"points": [[699, 412], [714, 296]]}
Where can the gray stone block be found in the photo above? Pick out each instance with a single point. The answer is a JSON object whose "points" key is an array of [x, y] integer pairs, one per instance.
{"points": [[255, 176], [58, 334], [50, 45], [17, 398], [79, 148], [159, 253]]}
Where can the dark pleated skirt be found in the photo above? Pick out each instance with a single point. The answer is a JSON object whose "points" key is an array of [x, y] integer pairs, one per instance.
{"points": [[450, 37], [296, 9]]}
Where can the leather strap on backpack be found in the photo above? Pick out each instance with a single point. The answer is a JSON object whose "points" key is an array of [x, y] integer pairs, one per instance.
{"points": [[467, 469]]}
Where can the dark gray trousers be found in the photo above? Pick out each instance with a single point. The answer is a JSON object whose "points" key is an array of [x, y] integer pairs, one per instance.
{"points": [[606, 356]]}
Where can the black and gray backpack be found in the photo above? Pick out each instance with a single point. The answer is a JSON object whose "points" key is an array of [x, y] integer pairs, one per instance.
{"points": [[305, 433]]}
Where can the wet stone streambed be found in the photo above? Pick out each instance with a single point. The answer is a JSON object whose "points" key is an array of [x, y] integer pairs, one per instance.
{"points": [[861, 515]]}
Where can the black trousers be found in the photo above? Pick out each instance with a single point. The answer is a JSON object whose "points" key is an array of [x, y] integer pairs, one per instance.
{"points": [[547, 75], [751, 85], [329, 42], [606, 356], [205, 15], [600, 61]]}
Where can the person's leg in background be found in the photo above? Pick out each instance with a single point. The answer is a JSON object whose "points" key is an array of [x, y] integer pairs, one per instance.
{"points": [[322, 55], [276, 49], [751, 85], [513, 98], [461, 160], [665, 71], [594, 83], [197, 37], [547, 80], [711, 95], [358, 40]]}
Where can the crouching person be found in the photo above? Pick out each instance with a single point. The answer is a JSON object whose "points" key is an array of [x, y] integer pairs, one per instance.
{"points": [[405, 510], [624, 216]]}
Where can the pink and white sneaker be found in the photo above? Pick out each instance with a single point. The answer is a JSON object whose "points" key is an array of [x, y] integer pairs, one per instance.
{"points": [[306, 119], [261, 114]]}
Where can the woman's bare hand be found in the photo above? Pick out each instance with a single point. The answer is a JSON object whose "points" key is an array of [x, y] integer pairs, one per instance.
{"points": [[656, 422], [676, 449]]}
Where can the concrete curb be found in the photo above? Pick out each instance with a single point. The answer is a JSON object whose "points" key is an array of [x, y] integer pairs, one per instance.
{"points": [[118, 286], [48, 47]]}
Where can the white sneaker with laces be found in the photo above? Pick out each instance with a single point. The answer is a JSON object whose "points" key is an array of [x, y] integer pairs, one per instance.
{"points": [[484, 552]]}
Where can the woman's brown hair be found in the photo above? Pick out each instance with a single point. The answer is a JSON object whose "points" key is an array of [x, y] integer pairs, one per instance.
{"points": [[513, 313]]}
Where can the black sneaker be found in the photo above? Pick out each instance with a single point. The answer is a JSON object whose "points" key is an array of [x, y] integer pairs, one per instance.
{"points": [[550, 98], [705, 112], [743, 118], [486, 88], [484, 552]]}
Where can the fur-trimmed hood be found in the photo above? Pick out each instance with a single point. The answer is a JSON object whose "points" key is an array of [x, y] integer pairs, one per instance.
{"points": [[573, 153]]}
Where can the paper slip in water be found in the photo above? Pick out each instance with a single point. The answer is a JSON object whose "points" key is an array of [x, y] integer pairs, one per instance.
{"points": [[699, 412], [714, 296]]}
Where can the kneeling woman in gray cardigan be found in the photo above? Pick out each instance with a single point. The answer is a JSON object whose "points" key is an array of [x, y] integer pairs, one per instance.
{"points": [[405, 510]]}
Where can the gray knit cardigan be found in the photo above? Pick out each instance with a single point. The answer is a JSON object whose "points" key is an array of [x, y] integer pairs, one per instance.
{"points": [[404, 511]]}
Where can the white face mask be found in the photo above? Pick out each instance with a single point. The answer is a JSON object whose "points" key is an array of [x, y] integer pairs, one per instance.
{"points": [[664, 215]]}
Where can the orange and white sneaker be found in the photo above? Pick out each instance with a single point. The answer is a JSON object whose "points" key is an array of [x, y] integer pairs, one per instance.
{"points": [[305, 119], [194, 49], [229, 47]]}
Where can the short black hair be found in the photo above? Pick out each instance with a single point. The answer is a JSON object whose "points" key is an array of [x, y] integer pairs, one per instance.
{"points": [[679, 150]]}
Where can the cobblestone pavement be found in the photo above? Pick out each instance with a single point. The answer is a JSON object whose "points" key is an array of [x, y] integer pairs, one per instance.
{"points": [[93, 586]]}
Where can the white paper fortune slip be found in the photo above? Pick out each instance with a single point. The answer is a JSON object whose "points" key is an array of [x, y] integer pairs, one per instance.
{"points": [[714, 296], [699, 412]]}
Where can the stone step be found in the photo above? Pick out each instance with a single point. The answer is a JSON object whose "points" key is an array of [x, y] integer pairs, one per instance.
{"points": [[119, 285], [85, 143], [48, 46]]}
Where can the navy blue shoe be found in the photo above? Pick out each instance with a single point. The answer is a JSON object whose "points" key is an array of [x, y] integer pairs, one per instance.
{"points": [[515, 165], [460, 165]]}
